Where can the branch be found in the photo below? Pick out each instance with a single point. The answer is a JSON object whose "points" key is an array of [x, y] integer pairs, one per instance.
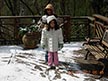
{"points": [[63, 6], [9, 5], [27, 7], [49, 1], [37, 7]]}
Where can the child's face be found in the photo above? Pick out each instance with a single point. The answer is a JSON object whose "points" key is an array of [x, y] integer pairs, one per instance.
{"points": [[52, 24], [49, 11]]}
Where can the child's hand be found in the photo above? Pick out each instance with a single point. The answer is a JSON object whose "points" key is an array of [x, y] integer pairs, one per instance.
{"points": [[60, 46], [43, 46]]}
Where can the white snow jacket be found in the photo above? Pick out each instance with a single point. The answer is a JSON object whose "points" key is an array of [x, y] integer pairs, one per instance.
{"points": [[51, 39]]}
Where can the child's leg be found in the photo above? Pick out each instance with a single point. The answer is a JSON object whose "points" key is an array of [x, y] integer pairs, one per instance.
{"points": [[56, 59], [50, 58], [46, 56]]}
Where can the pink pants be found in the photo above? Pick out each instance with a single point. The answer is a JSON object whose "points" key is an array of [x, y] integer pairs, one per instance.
{"points": [[53, 58]]}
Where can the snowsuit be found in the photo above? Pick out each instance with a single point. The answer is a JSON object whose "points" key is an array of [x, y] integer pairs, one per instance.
{"points": [[43, 23], [51, 39]]}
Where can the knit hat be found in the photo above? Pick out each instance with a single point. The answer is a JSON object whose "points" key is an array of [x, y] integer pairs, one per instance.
{"points": [[50, 18], [49, 6]]}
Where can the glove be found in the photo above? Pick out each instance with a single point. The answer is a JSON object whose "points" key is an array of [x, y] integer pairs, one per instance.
{"points": [[43, 46], [60, 46]]}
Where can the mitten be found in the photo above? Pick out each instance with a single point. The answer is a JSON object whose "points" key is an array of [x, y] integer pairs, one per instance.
{"points": [[43, 46], [60, 46]]}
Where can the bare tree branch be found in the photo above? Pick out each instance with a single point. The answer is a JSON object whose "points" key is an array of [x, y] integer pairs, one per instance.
{"points": [[37, 7], [27, 7], [49, 1], [63, 6], [9, 5]]}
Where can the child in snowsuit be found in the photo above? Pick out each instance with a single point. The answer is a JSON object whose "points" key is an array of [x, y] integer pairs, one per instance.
{"points": [[52, 39], [48, 11]]}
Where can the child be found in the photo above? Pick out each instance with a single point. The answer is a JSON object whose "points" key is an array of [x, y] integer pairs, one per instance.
{"points": [[52, 39], [48, 11]]}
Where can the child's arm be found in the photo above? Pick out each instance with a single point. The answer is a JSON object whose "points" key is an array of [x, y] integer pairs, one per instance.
{"points": [[60, 39], [60, 36], [43, 38]]}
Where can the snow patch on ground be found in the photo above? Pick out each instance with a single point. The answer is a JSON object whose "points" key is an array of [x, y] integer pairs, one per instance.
{"points": [[22, 63]]}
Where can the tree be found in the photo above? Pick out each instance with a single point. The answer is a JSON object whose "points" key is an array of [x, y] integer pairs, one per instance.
{"points": [[100, 6]]}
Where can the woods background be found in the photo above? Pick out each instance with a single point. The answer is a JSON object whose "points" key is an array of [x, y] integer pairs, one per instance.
{"points": [[77, 10], [62, 7]]}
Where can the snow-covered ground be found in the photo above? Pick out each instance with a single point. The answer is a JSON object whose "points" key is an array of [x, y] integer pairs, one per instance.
{"points": [[17, 64]]}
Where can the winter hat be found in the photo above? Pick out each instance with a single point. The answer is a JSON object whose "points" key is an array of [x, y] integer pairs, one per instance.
{"points": [[50, 18], [49, 6]]}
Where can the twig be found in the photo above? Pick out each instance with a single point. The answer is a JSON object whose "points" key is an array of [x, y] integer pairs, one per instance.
{"points": [[10, 58]]}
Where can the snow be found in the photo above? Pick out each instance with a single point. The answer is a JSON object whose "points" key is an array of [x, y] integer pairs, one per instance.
{"points": [[22, 63]]}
